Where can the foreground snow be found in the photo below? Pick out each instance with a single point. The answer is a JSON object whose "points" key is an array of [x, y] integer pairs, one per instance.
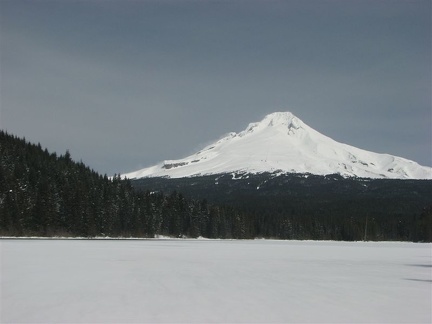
{"points": [[132, 281]]}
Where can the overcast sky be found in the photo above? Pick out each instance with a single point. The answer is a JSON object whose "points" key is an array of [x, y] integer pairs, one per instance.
{"points": [[125, 84]]}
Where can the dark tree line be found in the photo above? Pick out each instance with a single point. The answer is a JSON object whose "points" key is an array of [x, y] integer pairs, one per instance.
{"points": [[43, 194], [298, 206]]}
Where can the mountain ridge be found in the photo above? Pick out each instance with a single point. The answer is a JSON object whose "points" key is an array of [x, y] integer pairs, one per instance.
{"points": [[283, 143]]}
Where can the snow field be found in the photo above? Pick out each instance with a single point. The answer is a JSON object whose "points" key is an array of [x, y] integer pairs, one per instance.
{"points": [[137, 281], [281, 142]]}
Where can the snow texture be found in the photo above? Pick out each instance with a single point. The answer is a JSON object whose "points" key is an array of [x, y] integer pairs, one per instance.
{"points": [[139, 281], [281, 142]]}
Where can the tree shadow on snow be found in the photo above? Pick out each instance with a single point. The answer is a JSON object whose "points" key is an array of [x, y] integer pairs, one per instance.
{"points": [[419, 280], [420, 265]]}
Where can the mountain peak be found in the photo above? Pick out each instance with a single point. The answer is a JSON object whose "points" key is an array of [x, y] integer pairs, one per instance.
{"points": [[281, 117], [280, 120], [282, 143]]}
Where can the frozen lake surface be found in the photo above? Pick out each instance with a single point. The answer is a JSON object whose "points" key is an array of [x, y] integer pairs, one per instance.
{"points": [[135, 281]]}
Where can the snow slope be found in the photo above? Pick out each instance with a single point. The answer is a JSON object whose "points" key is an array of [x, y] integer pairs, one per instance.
{"points": [[206, 281], [281, 142]]}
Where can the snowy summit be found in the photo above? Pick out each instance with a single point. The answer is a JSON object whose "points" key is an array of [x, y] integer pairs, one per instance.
{"points": [[282, 143]]}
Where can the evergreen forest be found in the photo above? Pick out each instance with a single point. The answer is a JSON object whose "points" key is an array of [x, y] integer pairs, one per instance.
{"points": [[45, 194], [42, 194]]}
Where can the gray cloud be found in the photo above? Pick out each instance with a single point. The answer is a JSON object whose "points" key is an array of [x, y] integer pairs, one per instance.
{"points": [[125, 84]]}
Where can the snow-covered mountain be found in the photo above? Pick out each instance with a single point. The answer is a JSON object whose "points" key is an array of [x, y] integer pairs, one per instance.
{"points": [[282, 143]]}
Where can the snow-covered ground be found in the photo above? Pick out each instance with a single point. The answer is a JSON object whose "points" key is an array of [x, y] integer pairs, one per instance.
{"points": [[131, 281]]}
